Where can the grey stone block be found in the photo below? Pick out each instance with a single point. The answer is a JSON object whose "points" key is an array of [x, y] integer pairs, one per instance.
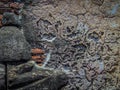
{"points": [[13, 45]]}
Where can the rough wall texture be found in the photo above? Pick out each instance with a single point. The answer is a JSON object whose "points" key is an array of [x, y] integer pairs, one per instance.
{"points": [[82, 37]]}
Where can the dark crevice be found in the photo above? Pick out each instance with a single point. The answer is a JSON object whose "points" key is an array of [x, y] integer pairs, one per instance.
{"points": [[6, 78]]}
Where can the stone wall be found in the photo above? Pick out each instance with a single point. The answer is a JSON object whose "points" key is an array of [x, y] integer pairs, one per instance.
{"points": [[18, 68], [79, 37]]}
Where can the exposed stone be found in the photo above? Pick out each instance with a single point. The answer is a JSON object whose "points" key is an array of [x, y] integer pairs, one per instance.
{"points": [[28, 76], [82, 38], [10, 19], [13, 46], [29, 33]]}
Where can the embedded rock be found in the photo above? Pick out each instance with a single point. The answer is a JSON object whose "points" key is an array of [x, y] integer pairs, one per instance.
{"points": [[29, 33], [13, 46], [10, 19], [28, 76]]}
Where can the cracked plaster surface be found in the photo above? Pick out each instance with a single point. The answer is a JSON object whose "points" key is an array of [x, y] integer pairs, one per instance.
{"points": [[83, 37]]}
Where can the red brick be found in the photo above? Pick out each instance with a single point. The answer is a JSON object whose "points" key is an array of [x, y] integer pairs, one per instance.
{"points": [[14, 5], [37, 50], [1, 16], [0, 23]]}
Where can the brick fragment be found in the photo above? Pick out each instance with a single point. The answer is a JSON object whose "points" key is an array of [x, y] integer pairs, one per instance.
{"points": [[1, 16], [38, 57], [0, 23], [37, 51], [15, 5]]}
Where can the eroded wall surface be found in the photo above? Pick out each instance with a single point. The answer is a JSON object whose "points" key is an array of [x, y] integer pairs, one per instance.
{"points": [[81, 37]]}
